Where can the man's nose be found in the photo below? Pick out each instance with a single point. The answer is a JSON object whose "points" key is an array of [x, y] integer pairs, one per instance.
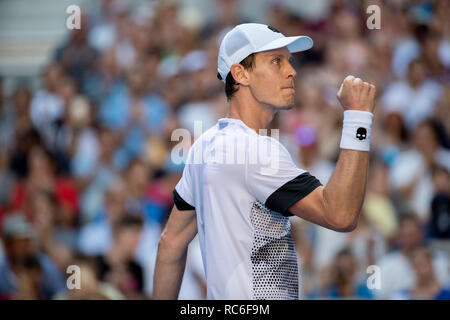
{"points": [[291, 71]]}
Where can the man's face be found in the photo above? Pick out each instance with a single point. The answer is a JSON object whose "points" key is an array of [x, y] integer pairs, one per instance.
{"points": [[129, 238], [18, 248], [271, 81], [422, 264], [409, 235]]}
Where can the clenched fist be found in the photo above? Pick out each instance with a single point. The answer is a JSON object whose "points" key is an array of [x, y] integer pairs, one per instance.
{"points": [[354, 94]]}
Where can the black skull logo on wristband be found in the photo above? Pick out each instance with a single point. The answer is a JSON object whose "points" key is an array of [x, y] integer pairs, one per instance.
{"points": [[361, 133]]}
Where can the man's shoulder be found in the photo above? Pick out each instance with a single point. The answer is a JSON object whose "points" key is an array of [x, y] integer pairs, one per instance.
{"points": [[215, 135], [236, 143]]}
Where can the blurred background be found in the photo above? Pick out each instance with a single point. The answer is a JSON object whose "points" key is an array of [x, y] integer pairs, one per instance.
{"points": [[86, 118]]}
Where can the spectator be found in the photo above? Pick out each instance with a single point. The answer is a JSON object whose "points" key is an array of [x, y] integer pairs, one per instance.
{"points": [[77, 56], [344, 282], [90, 286], [427, 286], [96, 237], [25, 272], [7, 115], [138, 200], [411, 172], [118, 266], [440, 210], [96, 180], [47, 106], [415, 98], [396, 268]]}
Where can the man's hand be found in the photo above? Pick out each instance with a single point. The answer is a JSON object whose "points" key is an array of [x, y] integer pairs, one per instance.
{"points": [[354, 94]]}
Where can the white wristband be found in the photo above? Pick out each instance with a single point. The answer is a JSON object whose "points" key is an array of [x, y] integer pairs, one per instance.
{"points": [[356, 130]]}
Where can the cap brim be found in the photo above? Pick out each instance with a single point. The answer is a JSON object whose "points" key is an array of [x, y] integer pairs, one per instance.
{"points": [[294, 44]]}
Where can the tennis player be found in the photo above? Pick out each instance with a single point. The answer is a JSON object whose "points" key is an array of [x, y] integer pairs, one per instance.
{"points": [[239, 186]]}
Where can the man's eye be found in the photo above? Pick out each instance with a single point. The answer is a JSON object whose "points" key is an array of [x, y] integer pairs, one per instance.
{"points": [[291, 60], [277, 60]]}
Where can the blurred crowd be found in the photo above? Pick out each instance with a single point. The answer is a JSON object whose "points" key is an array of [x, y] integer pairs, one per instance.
{"points": [[86, 175]]}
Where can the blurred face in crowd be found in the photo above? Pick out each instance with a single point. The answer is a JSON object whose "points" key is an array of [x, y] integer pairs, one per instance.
{"points": [[416, 73], [347, 24], [425, 139], [228, 10], [67, 89], [138, 176], [115, 201], [109, 65], [409, 234], [441, 180], [108, 141], [137, 80], [128, 238], [89, 280], [41, 169], [345, 267], [79, 113], [44, 209], [22, 98], [311, 96], [271, 80], [52, 77], [38, 160], [423, 264], [18, 248], [394, 124], [431, 47]]}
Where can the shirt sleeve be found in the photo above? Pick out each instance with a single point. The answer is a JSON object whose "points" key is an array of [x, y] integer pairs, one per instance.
{"points": [[273, 178], [182, 194]]}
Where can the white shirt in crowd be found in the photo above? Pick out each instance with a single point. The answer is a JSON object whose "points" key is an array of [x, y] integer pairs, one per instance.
{"points": [[415, 105]]}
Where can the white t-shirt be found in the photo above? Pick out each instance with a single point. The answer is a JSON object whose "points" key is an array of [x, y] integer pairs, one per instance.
{"points": [[241, 185]]}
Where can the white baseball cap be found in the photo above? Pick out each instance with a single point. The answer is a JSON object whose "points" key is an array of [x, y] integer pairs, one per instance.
{"points": [[248, 38]]}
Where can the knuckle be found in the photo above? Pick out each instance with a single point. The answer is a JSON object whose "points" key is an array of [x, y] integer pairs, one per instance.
{"points": [[349, 78]]}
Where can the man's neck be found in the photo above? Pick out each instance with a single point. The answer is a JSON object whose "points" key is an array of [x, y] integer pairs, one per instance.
{"points": [[254, 114]]}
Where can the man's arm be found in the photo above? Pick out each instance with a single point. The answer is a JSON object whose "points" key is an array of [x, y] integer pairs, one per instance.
{"points": [[337, 205], [180, 229]]}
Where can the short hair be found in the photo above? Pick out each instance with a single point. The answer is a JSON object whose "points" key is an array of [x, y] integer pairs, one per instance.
{"points": [[230, 84], [438, 131], [137, 161], [130, 220]]}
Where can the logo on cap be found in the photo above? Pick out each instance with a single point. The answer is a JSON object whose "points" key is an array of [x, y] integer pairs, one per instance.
{"points": [[273, 29]]}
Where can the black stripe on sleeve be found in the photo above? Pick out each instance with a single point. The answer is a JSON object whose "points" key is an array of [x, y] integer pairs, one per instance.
{"points": [[180, 203], [292, 191]]}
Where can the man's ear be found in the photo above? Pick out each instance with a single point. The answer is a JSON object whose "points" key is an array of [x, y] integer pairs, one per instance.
{"points": [[240, 75]]}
